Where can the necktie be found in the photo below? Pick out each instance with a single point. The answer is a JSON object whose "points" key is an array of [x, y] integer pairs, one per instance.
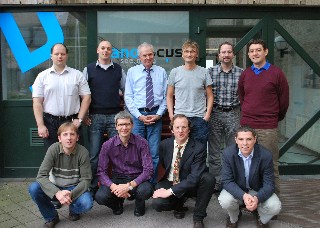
{"points": [[149, 90], [176, 167]]}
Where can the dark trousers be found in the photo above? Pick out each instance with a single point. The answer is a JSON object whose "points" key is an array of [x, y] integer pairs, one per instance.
{"points": [[52, 125], [203, 193], [142, 192]]}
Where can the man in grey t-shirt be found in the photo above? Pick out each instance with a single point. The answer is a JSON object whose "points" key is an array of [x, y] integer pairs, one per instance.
{"points": [[192, 87]]}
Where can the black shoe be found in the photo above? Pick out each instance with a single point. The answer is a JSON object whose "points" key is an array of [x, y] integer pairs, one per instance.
{"points": [[139, 212], [118, 210], [179, 214], [74, 217], [217, 188], [56, 204], [198, 224], [52, 223]]}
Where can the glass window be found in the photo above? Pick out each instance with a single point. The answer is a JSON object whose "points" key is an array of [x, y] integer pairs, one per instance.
{"points": [[19, 72], [304, 103], [231, 30], [166, 31]]}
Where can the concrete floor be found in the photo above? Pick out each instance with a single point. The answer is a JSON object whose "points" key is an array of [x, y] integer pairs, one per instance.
{"points": [[18, 210]]}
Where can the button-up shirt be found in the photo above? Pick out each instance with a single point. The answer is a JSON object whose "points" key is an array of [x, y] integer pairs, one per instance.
{"points": [[135, 90], [247, 165], [60, 91], [225, 85], [131, 161]]}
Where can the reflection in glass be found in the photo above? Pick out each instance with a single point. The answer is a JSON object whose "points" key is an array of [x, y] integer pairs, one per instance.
{"points": [[15, 84], [128, 30], [304, 103]]}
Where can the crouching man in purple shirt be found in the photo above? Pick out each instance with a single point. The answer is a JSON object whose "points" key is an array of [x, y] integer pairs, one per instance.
{"points": [[131, 162]]}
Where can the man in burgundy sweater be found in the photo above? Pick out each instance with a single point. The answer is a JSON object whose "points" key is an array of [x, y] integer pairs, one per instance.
{"points": [[264, 98]]}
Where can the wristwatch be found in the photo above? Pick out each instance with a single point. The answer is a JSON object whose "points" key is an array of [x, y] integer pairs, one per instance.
{"points": [[130, 186]]}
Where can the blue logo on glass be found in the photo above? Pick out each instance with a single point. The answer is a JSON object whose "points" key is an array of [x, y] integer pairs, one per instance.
{"points": [[26, 59]]}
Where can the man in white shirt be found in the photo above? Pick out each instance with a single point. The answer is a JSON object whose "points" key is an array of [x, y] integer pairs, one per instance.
{"points": [[56, 96]]}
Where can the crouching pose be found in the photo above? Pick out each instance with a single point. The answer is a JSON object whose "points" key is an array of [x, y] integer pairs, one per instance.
{"points": [[132, 169], [71, 175], [184, 161], [248, 180]]}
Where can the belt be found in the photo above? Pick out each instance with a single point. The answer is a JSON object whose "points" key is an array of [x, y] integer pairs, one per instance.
{"points": [[148, 109], [225, 108], [71, 117]]}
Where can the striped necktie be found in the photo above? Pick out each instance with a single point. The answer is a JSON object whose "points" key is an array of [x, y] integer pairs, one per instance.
{"points": [[149, 90]]}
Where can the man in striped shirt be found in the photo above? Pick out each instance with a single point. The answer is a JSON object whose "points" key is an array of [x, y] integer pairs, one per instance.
{"points": [[71, 176]]}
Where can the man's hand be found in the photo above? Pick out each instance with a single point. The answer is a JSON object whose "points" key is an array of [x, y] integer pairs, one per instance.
{"points": [[86, 120], [64, 197], [162, 193], [150, 119], [207, 117], [43, 131], [120, 190], [76, 123], [250, 201]]}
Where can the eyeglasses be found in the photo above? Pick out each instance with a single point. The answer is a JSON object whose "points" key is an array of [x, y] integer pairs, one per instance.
{"points": [[226, 52], [124, 124], [189, 52]]}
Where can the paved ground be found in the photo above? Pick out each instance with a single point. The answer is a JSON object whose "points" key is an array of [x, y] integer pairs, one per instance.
{"points": [[18, 210]]}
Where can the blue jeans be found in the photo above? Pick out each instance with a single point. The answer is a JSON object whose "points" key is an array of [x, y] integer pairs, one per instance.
{"points": [[99, 125], [152, 133], [78, 206], [199, 130]]}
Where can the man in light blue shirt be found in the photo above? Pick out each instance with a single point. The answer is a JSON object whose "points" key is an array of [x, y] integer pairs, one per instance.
{"points": [[145, 100], [248, 179]]}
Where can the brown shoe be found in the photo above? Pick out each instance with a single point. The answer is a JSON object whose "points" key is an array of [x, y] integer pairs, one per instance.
{"points": [[261, 225], [229, 224]]}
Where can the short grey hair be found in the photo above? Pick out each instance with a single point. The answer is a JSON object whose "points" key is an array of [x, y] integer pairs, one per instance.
{"points": [[145, 44], [123, 115]]}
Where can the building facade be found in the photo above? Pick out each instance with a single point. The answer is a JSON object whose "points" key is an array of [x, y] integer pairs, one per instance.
{"points": [[28, 29]]}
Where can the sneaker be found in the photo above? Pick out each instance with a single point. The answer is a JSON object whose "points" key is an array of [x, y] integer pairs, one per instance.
{"points": [[52, 223], [74, 217]]}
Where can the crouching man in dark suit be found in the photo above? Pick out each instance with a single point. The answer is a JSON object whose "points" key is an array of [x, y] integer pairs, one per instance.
{"points": [[248, 179], [184, 161]]}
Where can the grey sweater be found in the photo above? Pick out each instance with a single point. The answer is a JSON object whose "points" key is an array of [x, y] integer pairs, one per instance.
{"points": [[67, 170]]}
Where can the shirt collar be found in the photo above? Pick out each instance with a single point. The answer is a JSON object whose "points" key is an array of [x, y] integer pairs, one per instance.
{"points": [[144, 69], [62, 151], [99, 64], [231, 70], [118, 142], [183, 145], [66, 68], [265, 67], [249, 157]]}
